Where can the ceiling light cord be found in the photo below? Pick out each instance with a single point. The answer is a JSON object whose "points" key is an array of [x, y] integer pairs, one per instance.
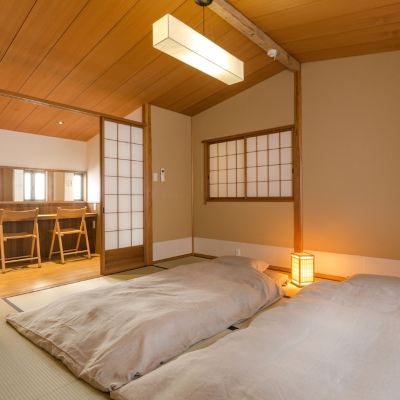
{"points": [[204, 24]]}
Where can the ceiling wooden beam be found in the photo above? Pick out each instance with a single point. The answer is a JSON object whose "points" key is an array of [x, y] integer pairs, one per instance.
{"points": [[65, 107], [235, 18]]}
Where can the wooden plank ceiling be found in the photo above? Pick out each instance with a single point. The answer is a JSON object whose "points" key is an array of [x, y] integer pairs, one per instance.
{"points": [[98, 54]]}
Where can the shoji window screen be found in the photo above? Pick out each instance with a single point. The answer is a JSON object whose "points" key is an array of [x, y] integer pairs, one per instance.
{"points": [[253, 166], [123, 186]]}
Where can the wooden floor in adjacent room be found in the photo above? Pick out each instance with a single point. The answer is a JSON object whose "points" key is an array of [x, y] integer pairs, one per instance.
{"points": [[25, 279]]}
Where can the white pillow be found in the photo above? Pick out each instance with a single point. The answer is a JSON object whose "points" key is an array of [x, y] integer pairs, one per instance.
{"points": [[280, 278], [259, 265], [388, 285]]}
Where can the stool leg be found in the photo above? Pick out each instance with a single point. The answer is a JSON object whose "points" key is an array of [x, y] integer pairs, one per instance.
{"points": [[33, 244], [87, 239], [53, 238], [61, 247], [78, 241], [2, 255], [39, 256]]}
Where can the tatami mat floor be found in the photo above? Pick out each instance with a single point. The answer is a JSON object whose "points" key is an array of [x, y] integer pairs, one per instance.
{"points": [[29, 373]]}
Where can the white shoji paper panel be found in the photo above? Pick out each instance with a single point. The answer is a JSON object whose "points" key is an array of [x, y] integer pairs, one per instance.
{"points": [[124, 150], [111, 185], [137, 135], [124, 238], [110, 167], [286, 188], [111, 148], [137, 186], [123, 185], [111, 240], [137, 237], [124, 220], [268, 169], [137, 220], [111, 222]]}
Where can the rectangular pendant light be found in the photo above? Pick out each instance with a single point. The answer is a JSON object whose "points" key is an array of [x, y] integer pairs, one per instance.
{"points": [[179, 40]]}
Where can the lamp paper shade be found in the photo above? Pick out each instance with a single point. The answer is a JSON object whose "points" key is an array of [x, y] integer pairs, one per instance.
{"points": [[180, 41], [302, 269]]}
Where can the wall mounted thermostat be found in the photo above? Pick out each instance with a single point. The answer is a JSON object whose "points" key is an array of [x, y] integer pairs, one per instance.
{"points": [[162, 174]]}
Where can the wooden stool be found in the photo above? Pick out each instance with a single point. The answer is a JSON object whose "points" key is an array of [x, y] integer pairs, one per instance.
{"points": [[19, 216], [61, 232]]}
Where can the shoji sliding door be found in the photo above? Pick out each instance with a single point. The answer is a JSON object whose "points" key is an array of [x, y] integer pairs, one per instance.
{"points": [[125, 195]]}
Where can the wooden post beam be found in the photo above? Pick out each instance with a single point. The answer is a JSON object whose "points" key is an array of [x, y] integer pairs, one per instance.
{"points": [[297, 154], [239, 21]]}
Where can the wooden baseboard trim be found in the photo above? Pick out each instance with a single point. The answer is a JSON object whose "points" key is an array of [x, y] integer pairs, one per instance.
{"points": [[172, 258], [317, 274], [204, 256], [287, 270]]}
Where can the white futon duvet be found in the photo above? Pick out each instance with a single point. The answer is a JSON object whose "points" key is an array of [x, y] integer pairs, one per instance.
{"points": [[111, 335], [333, 341]]}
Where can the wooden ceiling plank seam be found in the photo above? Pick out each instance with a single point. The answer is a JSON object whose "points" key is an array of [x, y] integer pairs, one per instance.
{"points": [[53, 95], [284, 8], [145, 96], [44, 55], [41, 61], [248, 51], [257, 63], [101, 37], [30, 119], [356, 35], [17, 32], [258, 77], [229, 91], [14, 111], [61, 106], [328, 21], [228, 30], [30, 114], [132, 78], [44, 125], [209, 90], [253, 32], [2, 107], [54, 44], [195, 86], [308, 13], [373, 25], [43, 27], [138, 70], [386, 45]]}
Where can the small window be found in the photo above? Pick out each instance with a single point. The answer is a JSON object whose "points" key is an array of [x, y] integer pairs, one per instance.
{"points": [[35, 185], [253, 166], [77, 187]]}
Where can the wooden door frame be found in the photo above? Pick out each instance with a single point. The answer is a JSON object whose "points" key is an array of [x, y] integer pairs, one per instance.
{"points": [[130, 253]]}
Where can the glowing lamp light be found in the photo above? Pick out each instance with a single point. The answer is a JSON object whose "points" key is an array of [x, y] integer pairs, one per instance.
{"points": [[302, 269], [180, 41]]}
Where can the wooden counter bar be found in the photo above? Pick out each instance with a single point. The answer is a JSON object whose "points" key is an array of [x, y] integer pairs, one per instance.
{"points": [[47, 216]]}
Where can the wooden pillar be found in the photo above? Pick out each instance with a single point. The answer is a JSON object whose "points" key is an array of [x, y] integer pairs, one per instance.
{"points": [[297, 154], [148, 182]]}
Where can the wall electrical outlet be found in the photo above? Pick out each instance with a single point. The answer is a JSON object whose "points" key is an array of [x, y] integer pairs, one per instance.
{"points": [[237, 252], [162, 174]]}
